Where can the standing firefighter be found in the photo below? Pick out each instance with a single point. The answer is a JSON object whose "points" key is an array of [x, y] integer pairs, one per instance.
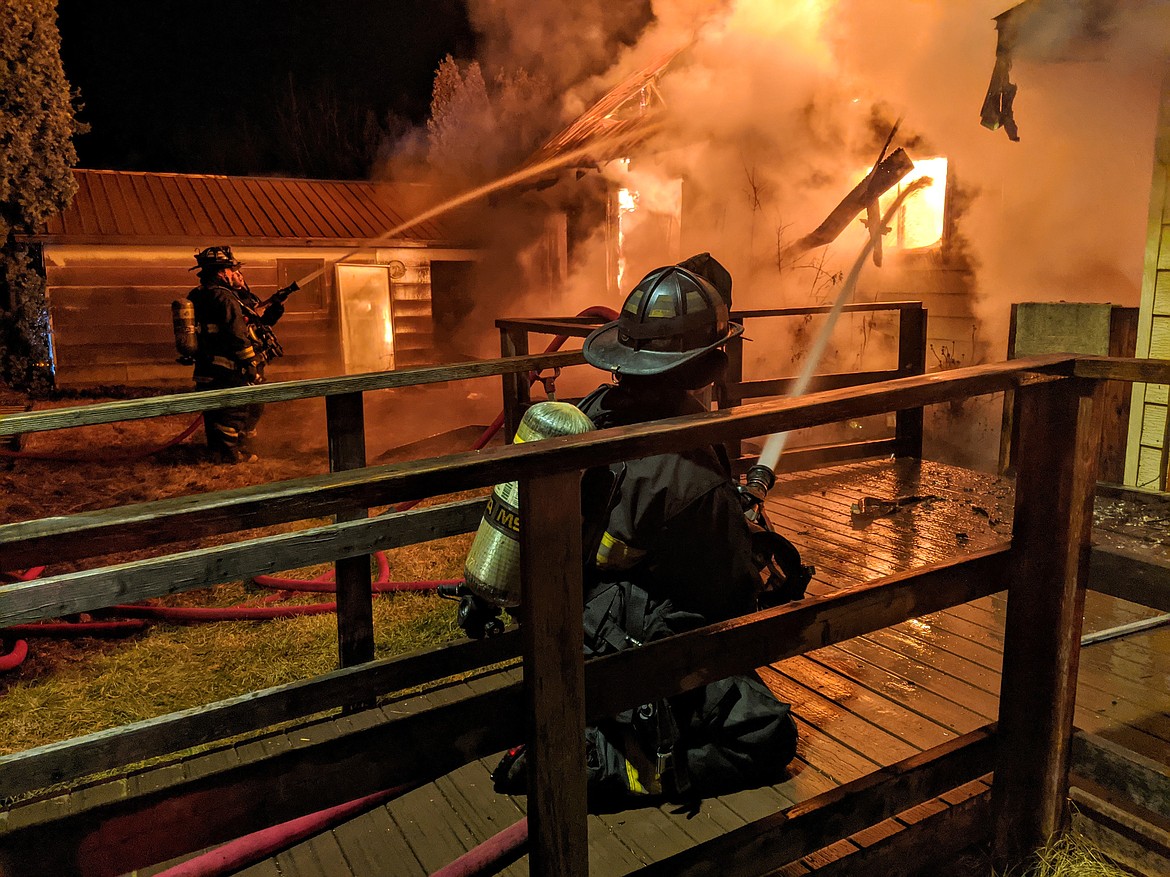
{"points": [[233, 339], [672, 550]]}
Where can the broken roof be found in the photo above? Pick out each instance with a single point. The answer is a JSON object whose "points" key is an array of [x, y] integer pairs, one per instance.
{"points": [[620, 120]]}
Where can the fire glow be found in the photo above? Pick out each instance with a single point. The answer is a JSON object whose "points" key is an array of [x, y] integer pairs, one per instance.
{"points": [[919, 224]]}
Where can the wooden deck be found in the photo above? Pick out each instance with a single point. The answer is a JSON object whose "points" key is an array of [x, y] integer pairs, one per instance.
{"points": [[864, 703]]}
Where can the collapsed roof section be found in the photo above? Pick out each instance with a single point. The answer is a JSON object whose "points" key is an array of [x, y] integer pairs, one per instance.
{"points": [[622, 119]]}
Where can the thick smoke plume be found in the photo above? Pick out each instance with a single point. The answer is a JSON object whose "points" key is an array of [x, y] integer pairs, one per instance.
{"points": [[775, 108]]}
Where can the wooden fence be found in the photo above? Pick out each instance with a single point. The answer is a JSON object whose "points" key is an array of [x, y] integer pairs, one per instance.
{"points": [[733, 390], [1043, 566]]}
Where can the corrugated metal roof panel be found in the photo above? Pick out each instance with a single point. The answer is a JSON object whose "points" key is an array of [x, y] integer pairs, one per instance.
{"points": [[138, 207]]}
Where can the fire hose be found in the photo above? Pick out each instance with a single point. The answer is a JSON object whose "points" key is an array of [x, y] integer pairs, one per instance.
{"points": [[15, 658], [320, 584], [762, 476], [494, 853], [251, 848], [29, 455]]}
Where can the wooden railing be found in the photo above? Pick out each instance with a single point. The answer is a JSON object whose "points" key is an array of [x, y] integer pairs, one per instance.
{"points": [[1043, 567], [733, 390]]}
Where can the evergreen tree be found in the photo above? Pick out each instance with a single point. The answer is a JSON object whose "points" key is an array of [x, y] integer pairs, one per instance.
{"points": [[37, 125], [477, 131]]}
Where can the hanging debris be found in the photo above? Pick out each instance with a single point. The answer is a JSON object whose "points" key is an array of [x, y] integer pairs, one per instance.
{"points": [[885, 175]]}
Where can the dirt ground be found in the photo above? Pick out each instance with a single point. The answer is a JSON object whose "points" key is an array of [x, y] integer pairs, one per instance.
{"points": [[68, 471]]}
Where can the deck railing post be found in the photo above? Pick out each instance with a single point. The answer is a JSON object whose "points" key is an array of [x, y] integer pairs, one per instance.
{"points": [[514, 342], [911, 361], [732, 378], [345, 419], [1059, 437], [554, 674]]}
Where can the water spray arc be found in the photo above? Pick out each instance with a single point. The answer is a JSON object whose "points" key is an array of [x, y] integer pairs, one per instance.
{"points": [[762, 476], [519, 176]]}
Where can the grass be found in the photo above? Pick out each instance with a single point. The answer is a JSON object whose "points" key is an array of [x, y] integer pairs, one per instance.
{"points": [[1069, 855], [70, 688], [1072, 856]]}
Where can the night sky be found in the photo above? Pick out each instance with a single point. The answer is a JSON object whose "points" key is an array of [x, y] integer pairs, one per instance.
{"points": [[219, 87]]}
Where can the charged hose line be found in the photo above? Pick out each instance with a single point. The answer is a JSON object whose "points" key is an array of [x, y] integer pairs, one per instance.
{"points": [[774, 446], [135, 455], [238, 854]]}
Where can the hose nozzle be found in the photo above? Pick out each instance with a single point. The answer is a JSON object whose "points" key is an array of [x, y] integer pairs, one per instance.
{"points": [[760, 480]]}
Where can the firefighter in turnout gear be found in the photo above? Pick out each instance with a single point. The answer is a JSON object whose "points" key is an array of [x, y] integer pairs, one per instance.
{"points": [[234, 341], [671, 550]]}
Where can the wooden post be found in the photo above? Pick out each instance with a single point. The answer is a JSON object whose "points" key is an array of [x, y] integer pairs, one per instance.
{"points": [[554, 674], [514, 342], [1059, 430], [345, 418], [911, 361], [1123, 331], [733, 378]]}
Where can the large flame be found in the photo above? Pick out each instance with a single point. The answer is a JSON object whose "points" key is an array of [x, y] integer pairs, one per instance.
{"points": [[919, 224]]}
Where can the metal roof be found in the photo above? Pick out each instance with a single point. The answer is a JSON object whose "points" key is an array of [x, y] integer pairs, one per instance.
{"points": [[153, 208]]}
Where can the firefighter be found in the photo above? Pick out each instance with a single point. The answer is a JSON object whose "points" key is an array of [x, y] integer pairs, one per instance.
{"points": [[234, 337], [671, 550], [678, 522]]}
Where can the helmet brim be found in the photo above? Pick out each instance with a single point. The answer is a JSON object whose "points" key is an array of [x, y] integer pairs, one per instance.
{"points": [[603, 350], [217, 266]]}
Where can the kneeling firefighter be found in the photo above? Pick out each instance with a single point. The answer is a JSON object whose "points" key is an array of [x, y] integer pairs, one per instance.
{"points": [[675, 551]]}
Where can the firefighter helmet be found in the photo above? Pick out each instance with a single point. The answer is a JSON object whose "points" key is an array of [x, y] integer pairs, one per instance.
{"points": [[214, 258], [672, 317]]}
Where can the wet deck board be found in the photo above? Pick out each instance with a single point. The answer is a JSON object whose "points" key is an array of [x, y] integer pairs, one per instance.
{"points": [[860, 704]]}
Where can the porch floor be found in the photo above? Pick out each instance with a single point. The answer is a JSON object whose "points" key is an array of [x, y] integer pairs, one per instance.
{"points": [[865, 703]]}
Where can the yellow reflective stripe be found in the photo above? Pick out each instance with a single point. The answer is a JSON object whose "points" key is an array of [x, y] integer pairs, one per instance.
{"points": [[223, 362], [247, 353], [633, 782], [613, 553]]}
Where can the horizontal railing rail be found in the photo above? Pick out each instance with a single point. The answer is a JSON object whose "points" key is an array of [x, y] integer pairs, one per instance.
{"points": [[144, 524], [287, 391]]}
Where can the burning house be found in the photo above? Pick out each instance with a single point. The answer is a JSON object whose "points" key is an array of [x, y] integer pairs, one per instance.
{"points": [[743, 140]]}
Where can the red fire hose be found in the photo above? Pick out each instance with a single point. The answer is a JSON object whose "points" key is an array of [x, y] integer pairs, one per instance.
{"points": [[15, 658], [495, 852], [128, 455], [244, 851], [26, 575]]}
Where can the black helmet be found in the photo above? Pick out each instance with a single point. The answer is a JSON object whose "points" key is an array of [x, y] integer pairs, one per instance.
{"points": [[672, 317], [214, 258]]}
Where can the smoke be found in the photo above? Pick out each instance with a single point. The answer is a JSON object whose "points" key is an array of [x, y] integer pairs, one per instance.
{"points": [[774, 109]]}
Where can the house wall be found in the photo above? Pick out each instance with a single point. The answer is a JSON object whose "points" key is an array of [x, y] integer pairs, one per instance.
{"points": [[1149, 433], [110, 308]]}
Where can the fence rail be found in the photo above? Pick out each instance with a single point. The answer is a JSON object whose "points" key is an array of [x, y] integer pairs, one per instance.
{"points": [[1043, 567]]}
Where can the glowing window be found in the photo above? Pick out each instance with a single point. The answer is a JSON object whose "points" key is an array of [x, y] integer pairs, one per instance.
{"points": [[627, 204], [918, 224]]}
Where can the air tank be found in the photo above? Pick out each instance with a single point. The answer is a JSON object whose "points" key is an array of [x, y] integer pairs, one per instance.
{"points": [[492, 569]]}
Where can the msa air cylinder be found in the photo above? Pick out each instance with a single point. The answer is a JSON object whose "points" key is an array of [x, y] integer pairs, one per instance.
{"points": [[492, 569], [183, 320]]}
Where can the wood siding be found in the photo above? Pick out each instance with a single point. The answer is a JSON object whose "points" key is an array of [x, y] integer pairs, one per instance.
{"points": [[112, 321], [1149, 436]]}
